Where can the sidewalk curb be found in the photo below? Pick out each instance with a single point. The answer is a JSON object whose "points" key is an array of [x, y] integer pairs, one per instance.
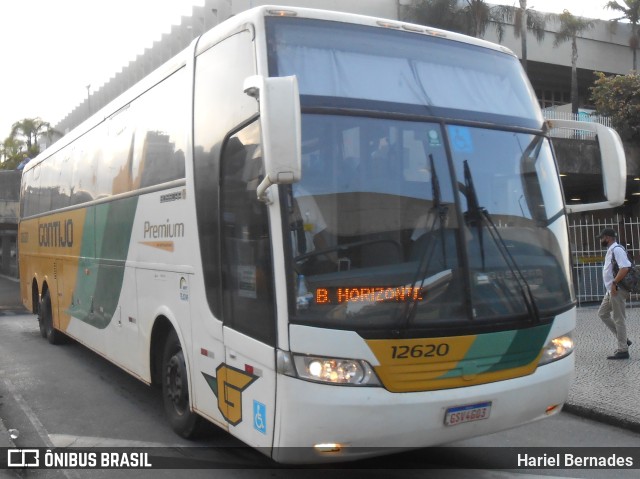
{"points": [[10, 278], [5, 438], [595, 414]]}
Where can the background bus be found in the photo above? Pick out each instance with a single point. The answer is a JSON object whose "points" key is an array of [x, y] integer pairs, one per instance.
{"points": [[372, 256]]}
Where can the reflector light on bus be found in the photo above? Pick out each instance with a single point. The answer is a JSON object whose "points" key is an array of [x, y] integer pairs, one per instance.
{"points": [[283, 13], [552, 409]]}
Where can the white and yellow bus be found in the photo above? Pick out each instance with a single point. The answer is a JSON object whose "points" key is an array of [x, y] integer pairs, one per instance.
{"points": [[331, 235]]}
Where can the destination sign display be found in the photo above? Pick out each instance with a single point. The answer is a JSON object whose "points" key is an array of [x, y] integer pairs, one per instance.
{"points": [[367, 294]]}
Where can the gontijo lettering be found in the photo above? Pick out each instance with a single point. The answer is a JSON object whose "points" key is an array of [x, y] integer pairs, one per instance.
{"points": [[56, 234]]}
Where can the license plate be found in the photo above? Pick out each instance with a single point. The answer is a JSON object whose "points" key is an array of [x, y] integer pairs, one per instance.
{"points": [[471, 412]]}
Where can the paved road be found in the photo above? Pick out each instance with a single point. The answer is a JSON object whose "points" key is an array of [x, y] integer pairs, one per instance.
{"points": [[603, 390], [606, 390], [9, 294]]}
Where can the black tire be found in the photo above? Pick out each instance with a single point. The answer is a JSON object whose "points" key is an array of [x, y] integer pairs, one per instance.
{"points": [[41, 325], [175, 389], [45, 319]]}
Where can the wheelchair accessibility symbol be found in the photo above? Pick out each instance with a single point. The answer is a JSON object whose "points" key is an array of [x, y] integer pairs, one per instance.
{"points": [[460, 137], [259, 417]]}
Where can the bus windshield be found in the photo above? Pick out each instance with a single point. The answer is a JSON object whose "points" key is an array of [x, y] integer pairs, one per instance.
{"points": [[412, 216], [376, 64], [395, 221]]}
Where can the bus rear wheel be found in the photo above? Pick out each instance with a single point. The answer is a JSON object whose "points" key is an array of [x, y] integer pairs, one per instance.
{"points": [[175, 389], [41, 320], [45, 320]]}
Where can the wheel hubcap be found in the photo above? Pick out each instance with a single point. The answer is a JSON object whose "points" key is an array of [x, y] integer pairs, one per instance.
{"points": [[176, 387]]}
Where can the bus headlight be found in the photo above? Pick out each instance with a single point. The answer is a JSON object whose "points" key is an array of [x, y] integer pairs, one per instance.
{"points": [[352, 372], [557, 348]]}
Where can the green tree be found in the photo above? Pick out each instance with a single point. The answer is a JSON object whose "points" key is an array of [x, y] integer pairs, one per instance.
{"points": [[570, 27], [619, 98], [528, 20], [11, 153], [28, 130], [438, 13], [630, 10], [472, 19], [477, 15], [23, 141]]}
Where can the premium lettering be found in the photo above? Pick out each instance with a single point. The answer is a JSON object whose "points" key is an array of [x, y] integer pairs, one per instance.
{"points": [[163, 230]]}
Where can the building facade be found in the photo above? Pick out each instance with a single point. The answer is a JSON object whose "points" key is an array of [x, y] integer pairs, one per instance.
{"points": [[9, 207], [603, 48]]}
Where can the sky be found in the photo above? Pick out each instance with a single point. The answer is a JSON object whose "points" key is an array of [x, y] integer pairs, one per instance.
{"points": [[50, 50], [579, 8]]}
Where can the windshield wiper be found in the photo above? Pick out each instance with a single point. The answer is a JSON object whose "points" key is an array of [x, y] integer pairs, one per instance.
{"points": [[441, 209], [426, 254], [475, 213], [480, 215]]}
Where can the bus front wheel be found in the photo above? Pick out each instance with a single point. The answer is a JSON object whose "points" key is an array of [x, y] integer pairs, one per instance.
{"points": [[175, 389], [45, 321]]}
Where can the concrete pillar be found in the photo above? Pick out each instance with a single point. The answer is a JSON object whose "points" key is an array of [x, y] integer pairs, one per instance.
{"points": [[5, 256]]}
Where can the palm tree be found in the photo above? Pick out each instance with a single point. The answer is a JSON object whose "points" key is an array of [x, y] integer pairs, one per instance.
{"points": [[437, 13], [477, 15], [473, 19], [528, 20], [630, 10], [10, 152], [570, 28], [30, 129]]}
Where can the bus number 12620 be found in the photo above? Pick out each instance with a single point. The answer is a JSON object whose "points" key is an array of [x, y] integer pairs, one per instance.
{"points": [[420, 351]]}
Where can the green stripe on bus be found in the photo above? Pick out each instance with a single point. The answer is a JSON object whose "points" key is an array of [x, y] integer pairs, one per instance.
{"points": [[105, 246], [503, 350]]}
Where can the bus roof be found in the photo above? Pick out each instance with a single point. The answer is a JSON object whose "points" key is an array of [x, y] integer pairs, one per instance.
{"points": [[230, 25], [319, 14]]}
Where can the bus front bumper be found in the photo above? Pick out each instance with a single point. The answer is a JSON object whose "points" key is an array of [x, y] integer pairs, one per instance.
{"points": [[318, 422]]}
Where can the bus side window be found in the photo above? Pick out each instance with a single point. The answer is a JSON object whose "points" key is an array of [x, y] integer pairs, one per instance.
{"points": [[84, 178], [27, 196], [160, 140], [220, 105], [65, 166], [248, 293]]}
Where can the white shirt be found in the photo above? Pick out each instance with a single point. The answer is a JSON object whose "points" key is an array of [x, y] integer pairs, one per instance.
{"points": [[311, 218], [622, 260]]}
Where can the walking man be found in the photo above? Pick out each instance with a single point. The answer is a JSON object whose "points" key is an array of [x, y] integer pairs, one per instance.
{"points": [[613, 308]]}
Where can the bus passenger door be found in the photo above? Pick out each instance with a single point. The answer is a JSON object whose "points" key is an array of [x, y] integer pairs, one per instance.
{"points": [[248, 294], [249, 388]]}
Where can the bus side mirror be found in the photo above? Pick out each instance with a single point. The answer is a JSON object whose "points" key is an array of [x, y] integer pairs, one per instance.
{"points": [[279, 101], [612, 157]]}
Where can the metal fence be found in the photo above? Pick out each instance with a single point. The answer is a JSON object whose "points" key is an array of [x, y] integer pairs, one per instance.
{"points": [[588, 255], [551, 114]]}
